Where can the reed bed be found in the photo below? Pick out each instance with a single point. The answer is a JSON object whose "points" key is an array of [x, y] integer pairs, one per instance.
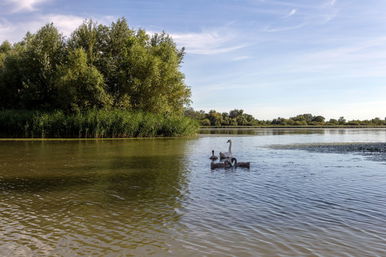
{"points": [[93, 124]]}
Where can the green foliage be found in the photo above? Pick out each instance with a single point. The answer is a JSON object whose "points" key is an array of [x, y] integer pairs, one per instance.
{"points": [[81, 86], [205, 122], [97, 67], [93, 124], [239, 118], [341, 121], [38, 66], [213, 118]]}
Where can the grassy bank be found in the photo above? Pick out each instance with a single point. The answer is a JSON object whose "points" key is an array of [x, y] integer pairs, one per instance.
{"points": [[93, 124]]}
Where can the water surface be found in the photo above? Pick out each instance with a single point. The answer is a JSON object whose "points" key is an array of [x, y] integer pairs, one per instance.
{"points": [[159, 197]]}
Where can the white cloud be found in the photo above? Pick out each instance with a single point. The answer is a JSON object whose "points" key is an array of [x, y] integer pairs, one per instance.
{"points": [[207, 42], [15, 31], [284, 28], [65, 23], [292, 12], [68, 23], [24, 5]]}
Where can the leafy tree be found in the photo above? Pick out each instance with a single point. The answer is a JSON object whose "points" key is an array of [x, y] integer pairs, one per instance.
{"points": [[205, 122], [341, 121], [37, 67], [10, 82], [376, 121], [303, 118], [81, 85], [197, 115], [235, 113], [319, 119], [118, 67], [215, 118], [333, 121], [5, 47]]}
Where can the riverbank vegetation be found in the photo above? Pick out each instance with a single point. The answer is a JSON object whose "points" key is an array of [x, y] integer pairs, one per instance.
{"points": [[102, 81], [93, 124], [237, 118]]}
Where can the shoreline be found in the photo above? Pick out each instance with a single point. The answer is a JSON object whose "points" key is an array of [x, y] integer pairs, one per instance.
{"points": [[20, 139], [294, 127]]}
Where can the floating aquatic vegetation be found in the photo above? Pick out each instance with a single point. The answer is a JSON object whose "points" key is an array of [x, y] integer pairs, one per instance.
{"points": [[375, 151]]}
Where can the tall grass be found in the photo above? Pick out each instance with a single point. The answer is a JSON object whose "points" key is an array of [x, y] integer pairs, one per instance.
{"points": [[93, 124]]}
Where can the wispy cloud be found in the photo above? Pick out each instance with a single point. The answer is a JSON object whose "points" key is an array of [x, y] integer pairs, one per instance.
{"points": [[283, 28], [68, 23], [207, 42], [291, 13], [299, 15], [352, 49], [241, 58]]}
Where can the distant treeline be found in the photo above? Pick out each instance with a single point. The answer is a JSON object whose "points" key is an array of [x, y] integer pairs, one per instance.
{"points": [[239, 118], [108, 68]]}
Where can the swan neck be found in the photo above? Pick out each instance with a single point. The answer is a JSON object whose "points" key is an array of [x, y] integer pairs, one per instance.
{"points": [[230, 147]]}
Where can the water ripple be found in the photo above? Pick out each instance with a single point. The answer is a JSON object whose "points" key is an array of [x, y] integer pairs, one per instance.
{"points": [[160, 198]]}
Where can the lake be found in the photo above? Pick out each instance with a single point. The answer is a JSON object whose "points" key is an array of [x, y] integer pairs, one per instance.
{"points": [[159, 196]]}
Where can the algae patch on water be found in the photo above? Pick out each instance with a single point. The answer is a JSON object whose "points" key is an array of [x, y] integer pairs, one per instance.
{"points": [[374, 151]]}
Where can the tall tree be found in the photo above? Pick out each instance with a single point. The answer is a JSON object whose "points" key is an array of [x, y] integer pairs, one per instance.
{"points": [[81, 85], [38, 65]]}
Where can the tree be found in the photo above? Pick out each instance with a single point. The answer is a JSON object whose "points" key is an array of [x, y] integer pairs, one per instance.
{"points": [[341, 121], [333, 121], [215, 118], [81, 85], [37, 66], [319, 119], [118, 67], [5, 48], [235, 113], [28, 71], [303, 118], [205, 122], [377, 121]]}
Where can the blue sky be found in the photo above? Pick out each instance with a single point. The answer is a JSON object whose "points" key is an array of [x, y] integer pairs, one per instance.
{"points": [[269, 57]]}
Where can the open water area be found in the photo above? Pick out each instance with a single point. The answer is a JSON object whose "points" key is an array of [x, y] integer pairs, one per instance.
{"points": [[308, 192]]}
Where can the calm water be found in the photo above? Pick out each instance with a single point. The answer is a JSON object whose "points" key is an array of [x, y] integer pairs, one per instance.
{"points": [[159, 197]]}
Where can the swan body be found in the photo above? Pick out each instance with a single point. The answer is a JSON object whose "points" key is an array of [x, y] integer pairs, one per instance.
{"points": [[229, 153], [243, 165], [213, 157], [236, 164], [230, 163], [220, 165]]}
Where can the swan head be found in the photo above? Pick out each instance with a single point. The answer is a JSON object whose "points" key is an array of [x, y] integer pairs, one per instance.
{"points": [[229, 141]]}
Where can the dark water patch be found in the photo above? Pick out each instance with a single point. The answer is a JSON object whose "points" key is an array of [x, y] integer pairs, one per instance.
{"points": [[373, 151]]}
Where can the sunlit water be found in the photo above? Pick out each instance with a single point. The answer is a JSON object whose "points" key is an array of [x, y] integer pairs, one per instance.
{"points": [[159, 197]]}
